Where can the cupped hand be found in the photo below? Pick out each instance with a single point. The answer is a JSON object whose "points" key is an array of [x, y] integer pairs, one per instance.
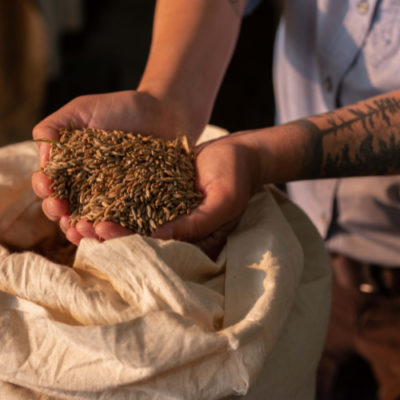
{"points": [[227, 174], [129, 111], [226, 169]]}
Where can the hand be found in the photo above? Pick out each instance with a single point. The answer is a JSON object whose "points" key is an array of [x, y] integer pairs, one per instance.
{"points": [[227, 174], [128, 111]]}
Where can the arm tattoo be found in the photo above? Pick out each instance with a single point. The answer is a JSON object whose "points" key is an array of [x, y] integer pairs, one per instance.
{"points": [[236, 7], [360, 147]]}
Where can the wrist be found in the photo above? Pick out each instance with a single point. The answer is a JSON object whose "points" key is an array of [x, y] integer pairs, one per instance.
{"points": [[279, 152], [254, 160], [176, 110]]}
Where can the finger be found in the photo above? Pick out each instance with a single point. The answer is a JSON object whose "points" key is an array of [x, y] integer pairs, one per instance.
{"points": [[54, 208], [45, 131], [41, 185], [110, 230], [216, 210], [73, 236], [86, 229], [213, 244], [64, 223], [49, 128]]}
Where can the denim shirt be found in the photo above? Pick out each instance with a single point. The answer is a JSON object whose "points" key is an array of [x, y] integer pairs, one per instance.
{"points": [[331, 52]]}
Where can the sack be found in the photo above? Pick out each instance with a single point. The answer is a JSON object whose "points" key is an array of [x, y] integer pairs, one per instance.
{"points": [[138, 318]]}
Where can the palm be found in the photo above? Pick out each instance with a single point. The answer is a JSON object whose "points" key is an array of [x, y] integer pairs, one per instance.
{"points": [[104, 112], [126, 111]]}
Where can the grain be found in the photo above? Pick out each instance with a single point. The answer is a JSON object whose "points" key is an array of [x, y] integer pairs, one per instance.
{"points": [[139, 182]]}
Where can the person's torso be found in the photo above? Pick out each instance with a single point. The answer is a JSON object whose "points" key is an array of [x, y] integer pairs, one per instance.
{"points": [[332, 53]]}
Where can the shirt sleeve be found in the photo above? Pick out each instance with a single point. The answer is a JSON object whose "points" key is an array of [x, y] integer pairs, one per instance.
{"points": [[251, 6]]}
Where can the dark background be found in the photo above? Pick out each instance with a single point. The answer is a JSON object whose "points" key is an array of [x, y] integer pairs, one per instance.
{"points": [[110, 52]]}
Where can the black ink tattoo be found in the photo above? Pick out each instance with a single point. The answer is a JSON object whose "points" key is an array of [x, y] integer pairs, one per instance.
{"points": [[381, 110], [371, 155], [236, 7]]}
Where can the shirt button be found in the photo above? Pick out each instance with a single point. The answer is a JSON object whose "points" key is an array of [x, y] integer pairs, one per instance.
{"points": [[327, 84], [363, 7], [323, 219]]}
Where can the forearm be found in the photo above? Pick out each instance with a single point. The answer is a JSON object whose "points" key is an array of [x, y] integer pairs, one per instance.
{"points": [[358, 140], [192, 45]]}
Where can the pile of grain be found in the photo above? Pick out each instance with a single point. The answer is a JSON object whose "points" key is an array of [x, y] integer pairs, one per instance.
{"points": [[138, 182]]}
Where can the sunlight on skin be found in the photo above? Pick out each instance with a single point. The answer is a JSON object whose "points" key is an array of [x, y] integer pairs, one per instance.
{"points": [[73, 236], [110, 230], [54, 209]]}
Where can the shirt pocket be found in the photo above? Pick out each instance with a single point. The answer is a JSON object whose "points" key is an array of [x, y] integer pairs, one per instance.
{"points": [[382, 45]]}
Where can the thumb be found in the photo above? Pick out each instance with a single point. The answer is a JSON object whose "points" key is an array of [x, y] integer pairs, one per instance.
{"points": [[44, 132], [49, 129]]}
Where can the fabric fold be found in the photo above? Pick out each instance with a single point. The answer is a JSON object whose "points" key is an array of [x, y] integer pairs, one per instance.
{"points": [[138, 318]]}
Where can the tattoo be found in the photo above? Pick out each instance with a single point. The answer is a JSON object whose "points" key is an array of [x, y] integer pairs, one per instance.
{"points": [[367, 153], [313, 155], [236, 7], [382, 107]]}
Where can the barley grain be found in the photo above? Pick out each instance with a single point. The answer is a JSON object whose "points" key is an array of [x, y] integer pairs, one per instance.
{"points": [[138, 182]]}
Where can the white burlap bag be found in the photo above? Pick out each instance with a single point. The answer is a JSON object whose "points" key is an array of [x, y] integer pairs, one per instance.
{"points": [[137, 318]]}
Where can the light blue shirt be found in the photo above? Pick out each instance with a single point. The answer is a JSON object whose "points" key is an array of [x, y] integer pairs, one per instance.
{"points": [[339, 52]]}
